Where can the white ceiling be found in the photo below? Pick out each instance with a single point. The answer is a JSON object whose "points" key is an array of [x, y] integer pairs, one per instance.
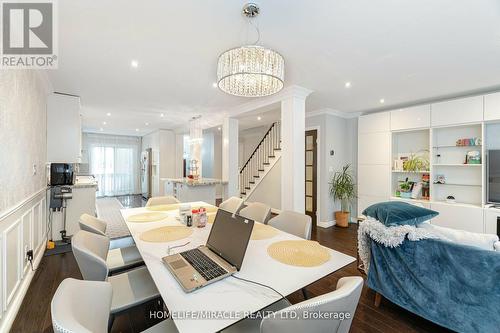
{"points": [[403, 51]]}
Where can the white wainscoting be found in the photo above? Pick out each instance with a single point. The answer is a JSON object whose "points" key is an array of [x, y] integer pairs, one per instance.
{"points": [[22, 228]]}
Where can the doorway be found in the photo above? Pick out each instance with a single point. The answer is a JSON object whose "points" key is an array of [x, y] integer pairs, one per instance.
{"points": [[311, 176]]}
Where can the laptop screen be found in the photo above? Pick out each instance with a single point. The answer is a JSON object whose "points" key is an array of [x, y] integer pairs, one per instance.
{"points": [[229, 237]]}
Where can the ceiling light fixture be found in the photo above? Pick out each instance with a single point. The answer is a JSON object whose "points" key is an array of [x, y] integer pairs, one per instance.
{"points": [[137, 130], [382, 101], [259, 118], [104, 123], [347, 84], [214, 84], [251, 70], [147, 124], [108, 114], [218, 128], [134, 63], [162, 115]]}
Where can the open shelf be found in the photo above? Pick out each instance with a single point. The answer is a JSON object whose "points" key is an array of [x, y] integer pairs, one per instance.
{"points": [[403, 171], [456, 165], [451, 146], [450, 184]]}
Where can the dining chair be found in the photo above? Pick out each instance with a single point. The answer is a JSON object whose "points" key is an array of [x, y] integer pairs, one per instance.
{"points": [[130, 288], [294, 223], [232, 205], [118, 259], [166, 200], [84, 307], [256, 211], [340, 305]]}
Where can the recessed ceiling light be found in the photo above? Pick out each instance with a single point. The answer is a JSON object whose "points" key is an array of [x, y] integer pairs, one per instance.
{"points": [[134, 63], [108, 114], [214, 84], [259, 118], [218, 128], [137, 130], [347, 84], [382, 101], [101, 129], [162, 115], [147, 124], [104, 123]]}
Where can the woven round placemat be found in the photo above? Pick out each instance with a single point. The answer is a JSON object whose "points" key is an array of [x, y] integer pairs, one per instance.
{"points": [[211, 217], [263, 231], [166, 234], [163, 208], [302, 253], [147, 217]]}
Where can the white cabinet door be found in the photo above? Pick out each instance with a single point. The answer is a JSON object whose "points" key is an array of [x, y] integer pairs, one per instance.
{"points": [[410, 118], [458, 217], [63, 129], [375, 122], [365, 201], [374, 148], [457, 111], [492, 107], [374, 180], [491, 221]]}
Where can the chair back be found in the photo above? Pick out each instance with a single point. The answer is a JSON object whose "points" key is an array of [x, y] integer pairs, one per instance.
{"points": [[92, 224], [81, 306], [166, 200], [232, 205], [294, 223], [340, 305], [91, 252], [256, 211]]}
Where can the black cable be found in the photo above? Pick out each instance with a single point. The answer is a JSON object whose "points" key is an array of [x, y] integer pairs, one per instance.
{"points": [[261, 284]]}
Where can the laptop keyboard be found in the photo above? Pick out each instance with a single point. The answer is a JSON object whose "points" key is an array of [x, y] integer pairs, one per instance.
{"points": [[203, 264]]}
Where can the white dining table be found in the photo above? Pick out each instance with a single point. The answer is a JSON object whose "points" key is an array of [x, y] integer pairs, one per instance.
{"points": [[223, 303]]}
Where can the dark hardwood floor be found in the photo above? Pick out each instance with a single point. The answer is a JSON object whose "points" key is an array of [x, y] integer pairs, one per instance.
{"points": [[34, 314]]}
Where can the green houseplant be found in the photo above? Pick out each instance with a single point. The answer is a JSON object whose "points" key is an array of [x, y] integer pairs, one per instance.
{"points": [[343, 189]]}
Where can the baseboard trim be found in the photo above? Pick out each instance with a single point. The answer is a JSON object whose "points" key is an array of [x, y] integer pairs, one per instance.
{"points": [[11, 312], [326, 224]]}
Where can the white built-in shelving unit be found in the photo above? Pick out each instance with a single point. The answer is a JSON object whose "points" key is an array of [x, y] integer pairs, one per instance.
{"points": [[434, 128]]}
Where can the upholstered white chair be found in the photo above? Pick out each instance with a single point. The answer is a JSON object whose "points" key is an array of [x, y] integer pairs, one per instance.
{"points": [[130, 288], [118, 259], [84, 307], [166, 200], [91, 223], [256, 211], [294, 223], [293, 319], [232, 205]]}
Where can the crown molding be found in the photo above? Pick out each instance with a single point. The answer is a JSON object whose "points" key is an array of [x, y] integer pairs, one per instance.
{"points": [[332, 112]]}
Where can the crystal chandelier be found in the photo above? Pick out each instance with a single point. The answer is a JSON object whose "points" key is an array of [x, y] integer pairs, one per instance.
{"points": [[251, 70]]}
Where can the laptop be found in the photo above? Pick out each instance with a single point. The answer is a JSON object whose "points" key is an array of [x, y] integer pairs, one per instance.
{"points": [[222, 256]]}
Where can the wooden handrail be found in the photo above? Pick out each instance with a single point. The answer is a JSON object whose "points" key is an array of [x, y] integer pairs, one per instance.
{"points": [[257, 148]]}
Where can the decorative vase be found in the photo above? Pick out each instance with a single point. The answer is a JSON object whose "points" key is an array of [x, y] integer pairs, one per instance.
{"points": [[342, 219]]}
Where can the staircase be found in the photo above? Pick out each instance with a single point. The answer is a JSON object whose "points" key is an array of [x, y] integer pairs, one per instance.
{"points": [[263, 158]]}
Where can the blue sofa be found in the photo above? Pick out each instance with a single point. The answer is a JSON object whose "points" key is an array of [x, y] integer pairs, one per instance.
{"points": [[455, 286]]}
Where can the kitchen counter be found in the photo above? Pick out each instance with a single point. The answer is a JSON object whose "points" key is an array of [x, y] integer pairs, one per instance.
{"points": [[186, 190]]}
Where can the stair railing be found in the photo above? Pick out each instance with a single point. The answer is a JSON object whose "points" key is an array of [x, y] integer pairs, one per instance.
{"points": [[270, 142]]}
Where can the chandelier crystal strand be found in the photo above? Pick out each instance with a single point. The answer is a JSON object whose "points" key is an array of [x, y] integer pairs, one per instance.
{"points": [[251, 71]]}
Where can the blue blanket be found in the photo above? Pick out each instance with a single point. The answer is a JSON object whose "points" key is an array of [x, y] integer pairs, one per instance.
{"points": [[452, 285]]}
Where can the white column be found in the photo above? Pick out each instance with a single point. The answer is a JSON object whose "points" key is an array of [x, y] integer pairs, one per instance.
{"points": [[293, 153], [230, 170]]}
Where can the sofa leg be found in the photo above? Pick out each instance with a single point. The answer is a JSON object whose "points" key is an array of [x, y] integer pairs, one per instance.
{"points": [[378, 299]]}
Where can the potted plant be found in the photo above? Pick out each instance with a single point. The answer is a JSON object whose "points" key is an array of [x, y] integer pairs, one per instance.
{"points": [[405, 189], [343, 189]]}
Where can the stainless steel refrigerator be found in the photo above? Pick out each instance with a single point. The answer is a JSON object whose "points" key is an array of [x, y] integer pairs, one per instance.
{"points": [[146, 172]]}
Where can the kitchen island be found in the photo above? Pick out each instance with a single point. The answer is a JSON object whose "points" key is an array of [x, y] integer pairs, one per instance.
{"points": [[187, 190]]}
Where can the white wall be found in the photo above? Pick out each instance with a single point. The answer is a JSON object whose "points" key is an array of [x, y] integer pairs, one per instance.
{"points": [[268, 190], [23, 136], [340, 135], [23, 115], [248, 140]]}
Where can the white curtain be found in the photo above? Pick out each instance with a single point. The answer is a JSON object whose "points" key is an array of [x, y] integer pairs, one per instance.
{"points": [[114, 161]]}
